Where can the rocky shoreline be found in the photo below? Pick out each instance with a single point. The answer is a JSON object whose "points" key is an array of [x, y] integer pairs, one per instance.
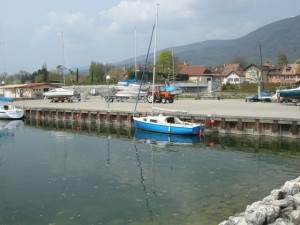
{"points": [[281, 207]]}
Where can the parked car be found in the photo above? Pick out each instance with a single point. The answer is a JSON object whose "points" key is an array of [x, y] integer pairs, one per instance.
{"points": [[253, 98]]}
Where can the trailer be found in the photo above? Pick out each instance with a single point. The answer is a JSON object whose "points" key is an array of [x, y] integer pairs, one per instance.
{"points": [[113, 98], [65, 99]]}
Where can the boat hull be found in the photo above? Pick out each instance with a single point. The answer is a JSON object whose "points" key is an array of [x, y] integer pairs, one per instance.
{"points": [[290, 93], [11, 112], [59, 92], [182, 129]]}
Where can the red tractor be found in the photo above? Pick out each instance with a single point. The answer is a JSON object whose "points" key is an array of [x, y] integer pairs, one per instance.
{"points": [[160, 95]]}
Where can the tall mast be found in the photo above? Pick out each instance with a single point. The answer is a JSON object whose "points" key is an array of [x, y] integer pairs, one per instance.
{"points": [[63, 57], [135, 54], [154, 57]]}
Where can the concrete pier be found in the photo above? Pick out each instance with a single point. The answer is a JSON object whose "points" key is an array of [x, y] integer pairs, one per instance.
{"points": [[224, 116]]}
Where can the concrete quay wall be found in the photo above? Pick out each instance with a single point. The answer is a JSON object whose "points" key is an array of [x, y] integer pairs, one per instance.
{"points": [[224, 116]]}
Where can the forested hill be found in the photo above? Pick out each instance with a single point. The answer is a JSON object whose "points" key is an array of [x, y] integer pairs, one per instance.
{"points": [[276, 38]]}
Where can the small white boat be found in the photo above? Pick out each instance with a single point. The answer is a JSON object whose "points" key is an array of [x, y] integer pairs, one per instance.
{"points": [[58, 92], [9, 111], [130, 94], [62, 94]]}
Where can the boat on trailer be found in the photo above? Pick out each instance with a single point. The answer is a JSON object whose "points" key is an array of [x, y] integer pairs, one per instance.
{"points": [[292, 95], [62, 94]]}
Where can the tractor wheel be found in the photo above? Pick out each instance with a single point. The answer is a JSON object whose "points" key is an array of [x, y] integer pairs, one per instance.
{"points": [[171, 100], [150, 98], [163, 100]]}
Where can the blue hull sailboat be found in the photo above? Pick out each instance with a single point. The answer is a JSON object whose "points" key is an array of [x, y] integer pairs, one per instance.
{"points": [[162, 123], [168, 125]]}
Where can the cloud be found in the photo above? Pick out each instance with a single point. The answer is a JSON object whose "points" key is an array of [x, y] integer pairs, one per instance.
{"points": [[119, 18], [74, 23]]}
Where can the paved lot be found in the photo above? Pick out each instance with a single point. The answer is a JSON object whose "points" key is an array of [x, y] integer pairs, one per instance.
{"points": [[238, 108]]}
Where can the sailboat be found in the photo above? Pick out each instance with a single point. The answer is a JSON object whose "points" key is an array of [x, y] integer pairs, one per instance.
{"points": [[163, 123]]}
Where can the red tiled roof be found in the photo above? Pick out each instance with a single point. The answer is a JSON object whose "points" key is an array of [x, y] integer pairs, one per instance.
{"points": [[231, 67], [291, 69], [194, 70], [237, 72], [31, 85]]}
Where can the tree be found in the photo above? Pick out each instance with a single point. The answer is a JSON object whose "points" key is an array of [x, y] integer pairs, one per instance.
{"points": [[41, 73], [164, 63], [96, 71], [282, 59], [167, 64]]}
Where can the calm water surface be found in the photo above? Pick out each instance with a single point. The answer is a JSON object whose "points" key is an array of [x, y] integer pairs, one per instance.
{"points": [[60, 173]]}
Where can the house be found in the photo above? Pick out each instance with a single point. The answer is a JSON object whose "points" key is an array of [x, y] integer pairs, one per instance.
{"points": [[234, 77], [274, 75], [198, 73], [290, 73], [253, 73], [201, 75], [231, 67], [259, 74], [233, 74], [32, 90]]}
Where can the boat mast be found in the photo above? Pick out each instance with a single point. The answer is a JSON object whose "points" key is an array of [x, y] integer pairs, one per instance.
{"points": [[135, 72], [173, 68], [154, 57]]}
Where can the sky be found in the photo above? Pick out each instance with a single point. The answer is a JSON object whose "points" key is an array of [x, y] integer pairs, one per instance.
{"points": [[73, 33]]}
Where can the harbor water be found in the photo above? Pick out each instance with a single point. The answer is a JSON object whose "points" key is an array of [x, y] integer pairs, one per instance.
{"points": [[87, 174]]}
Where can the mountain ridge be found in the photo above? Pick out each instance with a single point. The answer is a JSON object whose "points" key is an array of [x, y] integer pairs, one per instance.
{"points": [[280, 37]]}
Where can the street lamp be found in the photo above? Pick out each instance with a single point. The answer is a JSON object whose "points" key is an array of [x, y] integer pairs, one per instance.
{"points": [[2, 83], [107, 81]]}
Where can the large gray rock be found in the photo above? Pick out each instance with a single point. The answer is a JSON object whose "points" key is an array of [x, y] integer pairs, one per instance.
{"points": [[284, 203], [293, 216], [297, 200], [291, 187], [277, 194], [281, 221]]}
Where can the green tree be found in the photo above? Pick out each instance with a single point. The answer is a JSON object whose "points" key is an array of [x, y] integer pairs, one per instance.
{"points": [[41, 73], [282, 59], [167, 65], [54, 76], [39, 78], [96, 72], [164, 63]]}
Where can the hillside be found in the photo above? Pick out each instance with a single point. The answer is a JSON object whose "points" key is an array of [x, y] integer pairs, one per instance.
{"points": [[279, 37]]}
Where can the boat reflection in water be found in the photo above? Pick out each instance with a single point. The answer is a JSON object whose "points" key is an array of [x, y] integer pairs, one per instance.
{"points": [[8, 127], [166, 139]]}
